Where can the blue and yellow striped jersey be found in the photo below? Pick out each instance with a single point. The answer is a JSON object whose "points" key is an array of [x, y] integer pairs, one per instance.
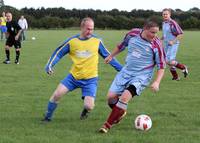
{"points": [[84, 55], [3, 21]]}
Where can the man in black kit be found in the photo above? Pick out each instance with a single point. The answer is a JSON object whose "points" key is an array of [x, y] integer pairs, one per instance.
{"points": [[13, 33]]}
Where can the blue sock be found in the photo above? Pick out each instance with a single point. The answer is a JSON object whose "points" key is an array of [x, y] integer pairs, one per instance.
{"points": [[50, 109]]}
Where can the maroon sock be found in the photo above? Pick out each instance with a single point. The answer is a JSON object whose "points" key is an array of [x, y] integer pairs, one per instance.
{"points": [[114, 115], [180, 66], [174, 73]]}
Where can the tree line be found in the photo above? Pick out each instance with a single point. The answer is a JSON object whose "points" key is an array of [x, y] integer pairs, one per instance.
{"points": [[50, 18]]}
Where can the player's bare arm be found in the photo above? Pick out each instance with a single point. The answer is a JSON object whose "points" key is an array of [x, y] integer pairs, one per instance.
{"points": [[113, 54], [18, 34], [156, 83]]}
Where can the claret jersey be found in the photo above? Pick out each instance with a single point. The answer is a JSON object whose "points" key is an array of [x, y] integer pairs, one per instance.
{"points": [[142, 55]]}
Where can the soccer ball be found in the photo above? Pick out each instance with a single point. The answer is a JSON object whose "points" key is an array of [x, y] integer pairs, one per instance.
{"points": [[143, 122], [33, 38]]}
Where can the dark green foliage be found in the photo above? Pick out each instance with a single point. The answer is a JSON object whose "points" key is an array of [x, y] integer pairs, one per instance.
{"points": [[114, 19]]}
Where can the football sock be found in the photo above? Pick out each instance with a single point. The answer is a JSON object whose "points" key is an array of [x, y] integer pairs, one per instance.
{"points": [[180, 66], [173, 72], [17, 55], [50, 109], [112, 102], [7, 55], [84, 113], [117, 112]]}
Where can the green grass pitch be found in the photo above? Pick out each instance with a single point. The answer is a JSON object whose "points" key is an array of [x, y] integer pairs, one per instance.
{"points": [[26, 88]]}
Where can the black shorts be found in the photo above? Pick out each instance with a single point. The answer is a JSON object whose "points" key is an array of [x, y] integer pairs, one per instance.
{"points": [[11, 41]]}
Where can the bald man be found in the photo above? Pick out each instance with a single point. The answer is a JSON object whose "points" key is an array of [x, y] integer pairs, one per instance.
{"points": [[83, 49]]}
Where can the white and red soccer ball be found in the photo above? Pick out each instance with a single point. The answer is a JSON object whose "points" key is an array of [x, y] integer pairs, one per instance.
{"points": [[143, 122]]}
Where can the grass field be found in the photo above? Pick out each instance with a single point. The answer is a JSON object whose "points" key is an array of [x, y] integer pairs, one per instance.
{"points": [[26, 88]]}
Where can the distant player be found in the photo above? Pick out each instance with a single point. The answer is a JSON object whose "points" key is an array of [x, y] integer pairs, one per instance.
{"points": [[13, 33], [83, 49], [24, 25], [3, 25], [144, 52], [172, 33]]}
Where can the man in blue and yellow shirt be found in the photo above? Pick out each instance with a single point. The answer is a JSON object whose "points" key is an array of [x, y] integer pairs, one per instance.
{"points": [[3, 25], [83, 50]]}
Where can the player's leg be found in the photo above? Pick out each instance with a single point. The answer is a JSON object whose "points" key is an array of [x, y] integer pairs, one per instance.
{"points": [[174, 73], [118, 105], [1, 27], [119, 110], [9, 43], [67, 84], [24, 35], [3, 32], [173, 63], [170, 60], [181, 67], [116, 89], [21, 37], [7, 52], [88, 107], [130, 87], [17, 55], [185, 71], [89, 88], [112, 99], [54, 99], [17, 45]]}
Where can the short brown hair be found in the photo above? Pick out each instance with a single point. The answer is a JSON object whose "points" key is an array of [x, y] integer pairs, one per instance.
{"points": [[150, 23], [167, 9]]}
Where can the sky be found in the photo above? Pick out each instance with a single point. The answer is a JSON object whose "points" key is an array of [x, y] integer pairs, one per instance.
{"points": [[128, 5]]}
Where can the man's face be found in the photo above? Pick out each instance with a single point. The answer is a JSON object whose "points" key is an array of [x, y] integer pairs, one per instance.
{"points": [[3, 14], [166, 15], [9, 17], [87, 29], [151, 33]]}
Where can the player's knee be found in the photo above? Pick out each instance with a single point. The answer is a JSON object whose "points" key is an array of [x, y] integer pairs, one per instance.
{"points": [[112, 101], [89, 103], [56, 96], [171, 63]]}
